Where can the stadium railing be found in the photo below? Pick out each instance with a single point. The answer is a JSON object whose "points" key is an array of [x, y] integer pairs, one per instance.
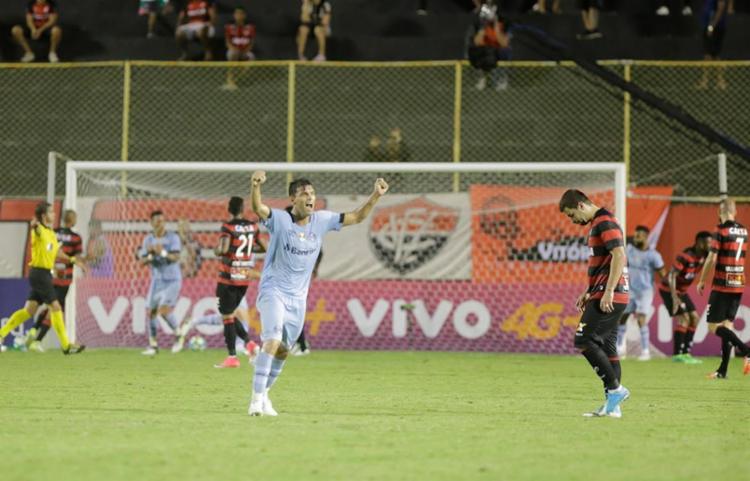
{"points": [[343, 112]]}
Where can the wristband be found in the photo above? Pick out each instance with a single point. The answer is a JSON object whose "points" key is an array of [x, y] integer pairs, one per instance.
{"points": [[163, 253]]}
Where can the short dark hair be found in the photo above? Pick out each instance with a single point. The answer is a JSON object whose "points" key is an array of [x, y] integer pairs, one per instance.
{"points": [[156, 212], [571, 198], [236, 205], [297, 184], [702, 235], [642, 228], [241, 8], [41, 209]]}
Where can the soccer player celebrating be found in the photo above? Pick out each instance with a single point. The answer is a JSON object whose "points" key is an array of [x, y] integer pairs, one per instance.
{"points": [[673, 291], [643, 261], [727, 253], [603, 303], [161, 250], [44, 252], [296, 237], [236, 243], [71, 245]]}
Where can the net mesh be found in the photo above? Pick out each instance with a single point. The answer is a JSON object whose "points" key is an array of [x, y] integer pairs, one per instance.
{"points": [[446, 261]]}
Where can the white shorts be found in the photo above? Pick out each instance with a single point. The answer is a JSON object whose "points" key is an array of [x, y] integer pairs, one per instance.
{"points": [[163, 293], [281, 318], [190, 30], [640, 302]]}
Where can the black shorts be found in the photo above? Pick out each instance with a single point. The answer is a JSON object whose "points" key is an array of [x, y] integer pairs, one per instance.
{"points": [[45, 35], [686, 304], [229, 297], [587, 4], [599, 327], [62, 292], [712, 43], [722, 306], [42, 290]]}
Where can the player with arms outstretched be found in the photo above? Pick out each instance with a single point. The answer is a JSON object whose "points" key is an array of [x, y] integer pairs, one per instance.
{"points": [[673, 291], [45, 250], [296, 237], [238, 240], [727, 253], [604, 302]]}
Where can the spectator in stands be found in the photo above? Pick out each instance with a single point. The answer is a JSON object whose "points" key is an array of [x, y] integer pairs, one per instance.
{"points": [[41, 22], [541, 6], [153, 8], [714, 22], [396, 149], [374, 152], [315, 17], [590, 17], [422, 7], [663, 10], [490, 42], [239, 38], [196, 21]]}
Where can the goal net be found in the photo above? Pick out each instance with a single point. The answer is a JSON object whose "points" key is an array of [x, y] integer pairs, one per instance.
{"points": [[455, 257]]}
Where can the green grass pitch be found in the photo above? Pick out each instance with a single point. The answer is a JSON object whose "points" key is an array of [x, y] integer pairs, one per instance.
{"points": [[115, 415]]}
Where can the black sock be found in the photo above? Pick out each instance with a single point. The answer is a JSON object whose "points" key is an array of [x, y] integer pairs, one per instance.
{"points": [[302, 341], [679, 339], [602, 367], [240, 329], [730, 336], [616, 367], [230, 336], [43, 330], [726, 352], [687, 344]]}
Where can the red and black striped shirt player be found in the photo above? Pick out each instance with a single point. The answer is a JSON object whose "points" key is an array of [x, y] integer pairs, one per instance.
{"points": [[727, 253], [673, 291], [605, 299], [238, 243]]}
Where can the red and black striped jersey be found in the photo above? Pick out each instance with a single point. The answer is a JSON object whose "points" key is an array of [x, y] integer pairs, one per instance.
{"points": [[686, 267], [198, 10], [604, 236], [730, 245], [239, 259], [72, 245], [40, 12], [239, 36]]}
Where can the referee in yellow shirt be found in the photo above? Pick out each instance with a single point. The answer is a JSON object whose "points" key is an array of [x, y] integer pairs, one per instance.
{"points": [[44, 251]]}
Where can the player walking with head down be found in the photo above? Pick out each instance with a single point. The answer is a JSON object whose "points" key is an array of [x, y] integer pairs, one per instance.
{"points": [[296, 237], [727, 252], [603, 303]]}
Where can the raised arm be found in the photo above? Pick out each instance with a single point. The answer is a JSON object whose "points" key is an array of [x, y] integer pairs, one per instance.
{"points": [[358, 215], [260, 209]]}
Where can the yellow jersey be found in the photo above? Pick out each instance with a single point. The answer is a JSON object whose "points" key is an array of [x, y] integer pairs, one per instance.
{"points": [[44, 247]]}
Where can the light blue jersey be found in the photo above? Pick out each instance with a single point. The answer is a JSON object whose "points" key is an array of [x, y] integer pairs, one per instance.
{"points": [[641, 267], [161, 268], [292, 251]]}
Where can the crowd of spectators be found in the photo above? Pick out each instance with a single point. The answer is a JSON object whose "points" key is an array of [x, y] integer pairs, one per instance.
{"points": [[488, 39]]}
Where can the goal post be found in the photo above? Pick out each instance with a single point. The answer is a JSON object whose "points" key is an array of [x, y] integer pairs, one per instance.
{"points": [[479, 250]]}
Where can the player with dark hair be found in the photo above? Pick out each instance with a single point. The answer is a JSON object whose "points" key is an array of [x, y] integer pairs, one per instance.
{"points": [[603, 303], [161, 251], [296, 237], [643, 261], [238, 240], [72, 246], [727, 253], [673, 291], [44, 252]]}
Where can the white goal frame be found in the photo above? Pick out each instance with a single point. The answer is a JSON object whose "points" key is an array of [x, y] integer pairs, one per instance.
{"points": [[73, 167]]}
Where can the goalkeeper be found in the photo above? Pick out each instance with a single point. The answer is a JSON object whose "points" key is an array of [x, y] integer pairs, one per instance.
{"points": [[161, 250]]}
